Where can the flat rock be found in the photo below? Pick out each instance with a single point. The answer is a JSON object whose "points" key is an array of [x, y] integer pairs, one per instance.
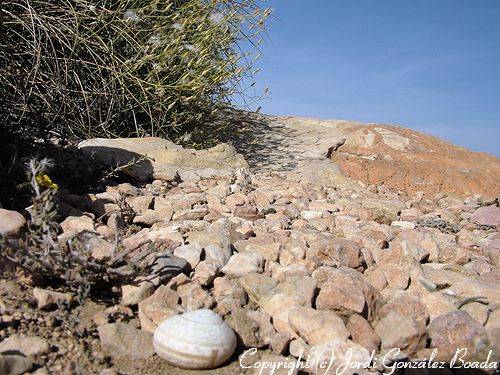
{"points": [[153, 310], [317, 327], [27, 345], [132, 294], [121, 340], [489, 216], [373, 154], [242, 263], [164, 159]]}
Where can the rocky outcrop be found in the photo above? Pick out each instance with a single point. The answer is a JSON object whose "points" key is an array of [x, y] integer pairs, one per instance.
{"points": [[161, 159], [374, 154]]}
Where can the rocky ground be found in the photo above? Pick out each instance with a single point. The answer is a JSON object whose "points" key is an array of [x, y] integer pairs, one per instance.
{"points": [[298, 262]]}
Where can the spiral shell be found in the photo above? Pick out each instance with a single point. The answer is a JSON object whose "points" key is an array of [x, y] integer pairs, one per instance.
{"points": [[197, 339]]}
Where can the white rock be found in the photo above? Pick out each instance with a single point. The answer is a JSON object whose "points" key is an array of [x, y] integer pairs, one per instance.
{"points": [[403, 224], [308, 215], [190, 252], [242, 263]]}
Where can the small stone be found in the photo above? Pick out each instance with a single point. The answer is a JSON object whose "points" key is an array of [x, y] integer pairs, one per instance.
{"points": [[406, 305], [298, 348], [29, 345], [228, 294], [308, 215], [477, 311], [263, 320], [247, 212], [376, 278], [279, 342], [403, 224], [235, 200], [205, 272], [190, 252], [396, 331], [492, 328], [243, 263], [99, 247], [163, 304], [347, 295], [47, 299], [317, 327], [282, 273], [246, 329], [190, 214], [133, 294], [286, 296], [11, 222], [437, 304], [258, 287], [141, 204], [14, 364], [216, 245], [266, 247], [338, 252], [194, 297], [75, 224], [362, 333], [120, 340], [334, 354], [147, 218]]}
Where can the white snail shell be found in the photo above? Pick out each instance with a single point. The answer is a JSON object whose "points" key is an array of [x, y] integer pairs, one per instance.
{"points": [[197, 339]]}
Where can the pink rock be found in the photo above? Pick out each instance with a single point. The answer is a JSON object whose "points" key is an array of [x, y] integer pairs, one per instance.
{"points": [[489, 215], [401, 332], [317, 327], [163, 304], [75, 224], [228, 295], [11, 222], [347, 294], [458, 330], [362, 333]]}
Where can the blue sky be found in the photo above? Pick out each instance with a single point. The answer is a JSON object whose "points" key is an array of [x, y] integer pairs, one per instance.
{"points": [[431, 65]]}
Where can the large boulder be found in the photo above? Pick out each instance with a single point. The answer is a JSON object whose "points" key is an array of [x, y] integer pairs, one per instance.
{"points": [[164, 159]]}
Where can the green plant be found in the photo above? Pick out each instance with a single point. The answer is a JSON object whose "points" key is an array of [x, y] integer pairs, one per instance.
{"points": [[82, 68]]}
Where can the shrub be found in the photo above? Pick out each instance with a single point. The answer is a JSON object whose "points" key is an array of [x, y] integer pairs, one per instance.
{"points": [[42, 256], [77, 68]]}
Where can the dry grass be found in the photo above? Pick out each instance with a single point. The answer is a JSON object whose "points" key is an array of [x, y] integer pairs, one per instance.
{"points": [[75, 69]]}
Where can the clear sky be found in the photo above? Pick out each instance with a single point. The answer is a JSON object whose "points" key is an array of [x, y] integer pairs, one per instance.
{"points": [[431, 65]]}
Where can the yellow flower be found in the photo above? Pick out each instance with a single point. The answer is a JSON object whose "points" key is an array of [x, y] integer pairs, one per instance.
{"points": [[44, 180]]}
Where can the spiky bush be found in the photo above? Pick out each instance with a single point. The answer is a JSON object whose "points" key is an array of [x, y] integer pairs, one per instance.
{"points": [[81, 68]]}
